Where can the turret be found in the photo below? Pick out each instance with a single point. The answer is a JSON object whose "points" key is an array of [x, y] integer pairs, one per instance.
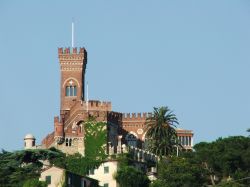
{"points": [[29, 141], [59, 131]]}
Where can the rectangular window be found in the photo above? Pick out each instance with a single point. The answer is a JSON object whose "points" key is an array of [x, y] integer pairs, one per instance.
{"points": [[106, 185], [48, 179], [71, 91], [67, 91], [74, 91], [106, 169], [91, 171]]}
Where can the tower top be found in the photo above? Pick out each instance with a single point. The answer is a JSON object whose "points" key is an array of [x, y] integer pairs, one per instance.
{"points": [[68, 50]]}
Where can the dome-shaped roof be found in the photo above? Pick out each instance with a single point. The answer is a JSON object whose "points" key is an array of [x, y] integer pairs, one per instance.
{"points": [[29, 136]]}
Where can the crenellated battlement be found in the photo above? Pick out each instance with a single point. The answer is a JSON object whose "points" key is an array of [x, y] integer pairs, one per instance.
{"points": [[68, 50], [114, 116], [91, 105], [135, 116], [97, 105]]}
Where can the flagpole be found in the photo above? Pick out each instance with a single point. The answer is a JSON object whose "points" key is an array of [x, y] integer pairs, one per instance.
{"points": [[72, 33]]}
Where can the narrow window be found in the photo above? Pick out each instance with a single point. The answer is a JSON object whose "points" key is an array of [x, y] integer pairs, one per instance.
{"points": [[91, 171], [67, 141], [75, 91], [48, 179], [182, 140], [33, 143], [106, 169], [71, 91], [84, 184], [67, 91], [70, 142]]}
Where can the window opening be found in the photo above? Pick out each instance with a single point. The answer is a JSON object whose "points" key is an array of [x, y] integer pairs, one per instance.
{"points": [[106, 169], [48, 179]]}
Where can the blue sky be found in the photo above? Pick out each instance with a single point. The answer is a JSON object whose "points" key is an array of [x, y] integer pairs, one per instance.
{"points": [[192, 56]]}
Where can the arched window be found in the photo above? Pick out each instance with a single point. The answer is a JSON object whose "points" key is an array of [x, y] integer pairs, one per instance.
{"points": [[71, 91], [131, 140], [70, 142]]}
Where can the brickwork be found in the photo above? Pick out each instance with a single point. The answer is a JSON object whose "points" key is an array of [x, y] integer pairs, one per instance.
{"points": [[68, 134], [73, 66]]}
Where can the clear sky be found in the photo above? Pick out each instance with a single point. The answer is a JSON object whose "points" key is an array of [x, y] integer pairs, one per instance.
{"points": [[193, 56]]}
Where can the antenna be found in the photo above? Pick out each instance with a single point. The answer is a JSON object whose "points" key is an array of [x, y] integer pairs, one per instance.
{"points": [[72, 33], [87, 99]]}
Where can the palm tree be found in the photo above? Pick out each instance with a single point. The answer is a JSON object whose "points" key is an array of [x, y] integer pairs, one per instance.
{"points": [[160, 132]]}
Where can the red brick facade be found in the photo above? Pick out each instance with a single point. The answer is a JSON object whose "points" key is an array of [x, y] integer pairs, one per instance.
{"points": [[74, 110]]}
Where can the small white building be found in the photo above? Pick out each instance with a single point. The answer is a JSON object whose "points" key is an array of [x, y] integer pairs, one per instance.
{"points": [[29, 141], [105, 173], [57, 177]]}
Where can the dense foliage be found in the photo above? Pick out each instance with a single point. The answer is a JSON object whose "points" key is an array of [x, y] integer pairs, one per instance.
{"points": [[161, 134], [128, 175], [34, 183], [24, 167], [95, 139], [95, 142], [179, 172], [223, 163], [227, 158]]}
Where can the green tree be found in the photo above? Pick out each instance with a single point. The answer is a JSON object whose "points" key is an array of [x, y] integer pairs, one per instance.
{"points": [[34, 183], [225, 158], [129, 176], [161, 134], [20, 166], [179, 172]]}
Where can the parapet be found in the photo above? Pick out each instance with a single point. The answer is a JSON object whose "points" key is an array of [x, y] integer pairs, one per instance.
{"points": [[69, 50], [48, 140], [135, 116], [115, 117], [184, 132], [98, 105]]}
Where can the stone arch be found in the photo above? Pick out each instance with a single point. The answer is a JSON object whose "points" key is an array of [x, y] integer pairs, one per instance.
{"points": [[68, 79], [144, 136], [131, 139], [77, 126]]}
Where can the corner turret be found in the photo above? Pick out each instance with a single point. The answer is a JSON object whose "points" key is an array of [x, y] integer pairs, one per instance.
{"points": [[59, 132], [29, 141]]}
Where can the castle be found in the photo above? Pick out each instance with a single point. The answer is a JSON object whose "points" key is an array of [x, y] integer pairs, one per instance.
{"points": [[68, 135]]}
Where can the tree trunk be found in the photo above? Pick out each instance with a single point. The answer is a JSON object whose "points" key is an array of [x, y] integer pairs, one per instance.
{"points": [[211, 176]]}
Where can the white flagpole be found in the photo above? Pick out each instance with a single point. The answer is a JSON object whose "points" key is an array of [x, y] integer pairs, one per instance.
{"points": [[72, 33]]}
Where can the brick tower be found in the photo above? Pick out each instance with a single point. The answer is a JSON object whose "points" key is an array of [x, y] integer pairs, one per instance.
{"points": [[73, 66], [69, 127]]}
